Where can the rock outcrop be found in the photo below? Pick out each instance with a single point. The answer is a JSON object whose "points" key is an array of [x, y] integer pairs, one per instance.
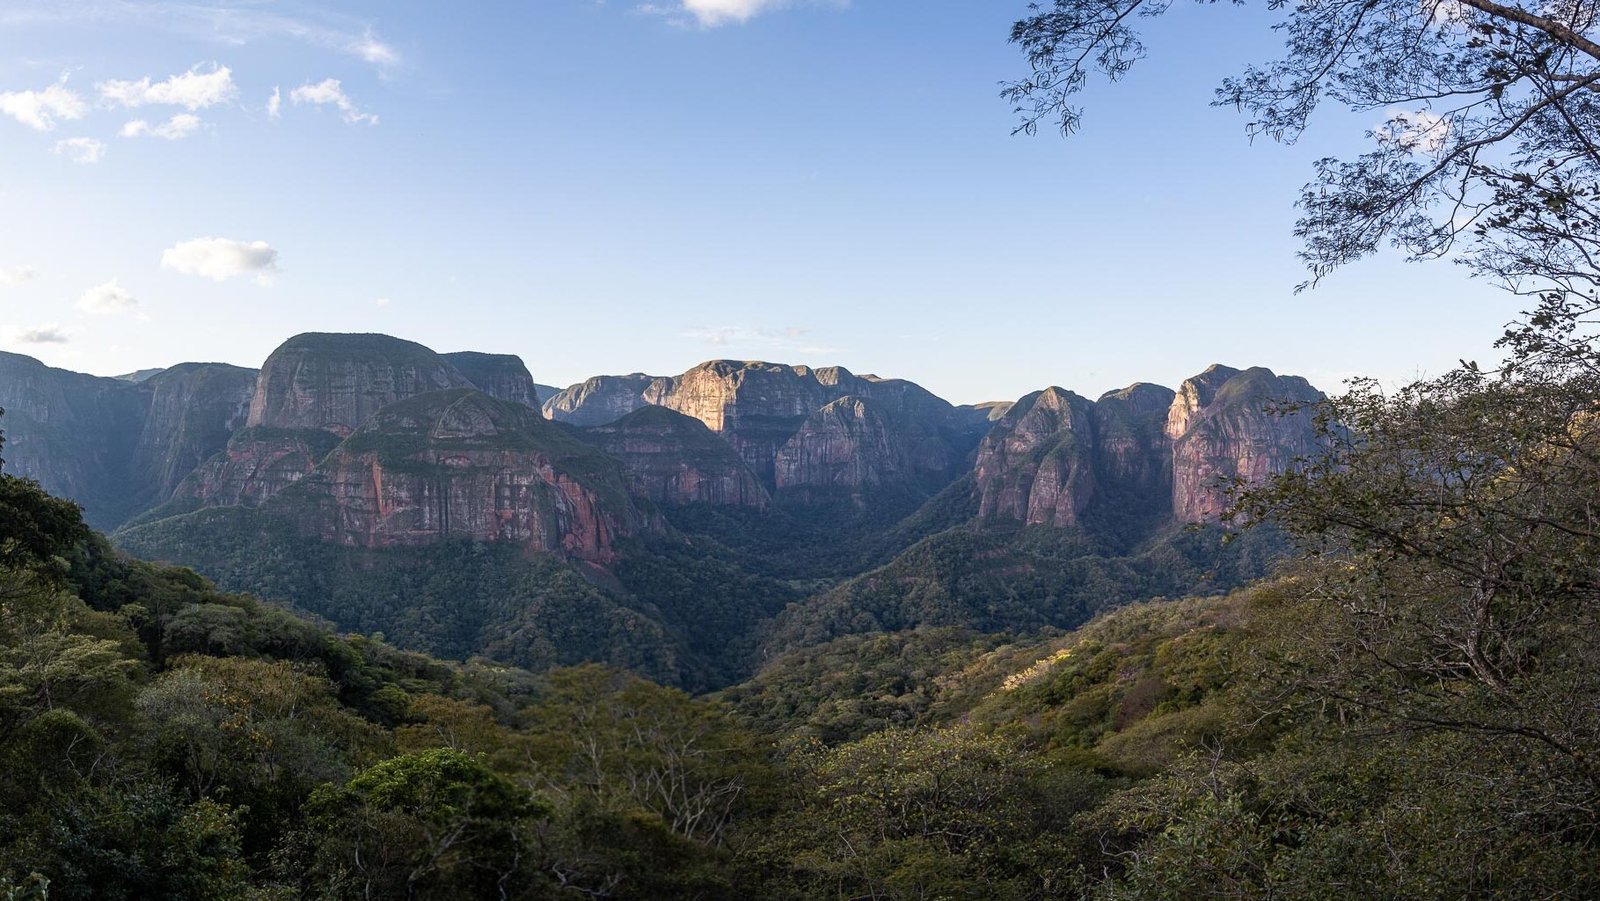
{"points": [[335, 382], [599, 400], [856, 444], [674, 459], [1226, 424], [502, 376], [461, 464], [194, 409], [257, 465], [1038, 464], [76, 435]]}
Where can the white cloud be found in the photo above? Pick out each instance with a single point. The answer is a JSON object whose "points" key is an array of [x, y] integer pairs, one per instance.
{"points": [[741, 336], [82, 150], [39, 334], [275, 104], [382, 302], [193, 90], [11, 276], [110, 297], [227, 23], [220, 258], [328, 91], [373, 50], [1413, 131], [39, 110], [180, 126], [712, 13]]}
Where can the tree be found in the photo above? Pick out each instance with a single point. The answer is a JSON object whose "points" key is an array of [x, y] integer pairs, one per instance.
{"points": [[1489, 153]]}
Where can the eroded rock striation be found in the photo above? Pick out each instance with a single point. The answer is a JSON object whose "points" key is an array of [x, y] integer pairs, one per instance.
{"points": [[1038, 464], [599, 400], [502, 376], [336, 382], [1144, 452], [855, 444], [675, 459], [1227, 424], [257, 465], [460, 464], [194, 409]]}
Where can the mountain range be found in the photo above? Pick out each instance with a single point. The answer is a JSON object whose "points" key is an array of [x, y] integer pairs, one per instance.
{"points": [[687, 526]]}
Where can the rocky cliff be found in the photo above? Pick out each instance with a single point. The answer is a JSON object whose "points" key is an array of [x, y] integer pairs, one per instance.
{"points": [[1223, 426], [258, 463], [674, 459], [1038, 464], [75, 434], [502, 376], [335, 382], [461, 464], [599, 400], [856, 444], [194, 408]]}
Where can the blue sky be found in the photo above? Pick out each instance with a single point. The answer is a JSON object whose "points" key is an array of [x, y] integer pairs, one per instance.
{"points": [[611, 187]]}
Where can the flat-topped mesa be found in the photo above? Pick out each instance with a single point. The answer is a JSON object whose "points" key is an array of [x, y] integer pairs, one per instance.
{"points": [[460, 464], [600, 399], [855, 444], [675, 459], [194, 409], [501, 376], [1223, 426], [336, 381], [1037, 465]]}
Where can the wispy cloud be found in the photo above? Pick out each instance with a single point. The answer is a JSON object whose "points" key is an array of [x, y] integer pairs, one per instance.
{"points": [[328, 92], [40, 334], [192, 90], [84, 151], [11, 276], [715, 13], [180, 126], [108, 298], [40, 110], [791, 338], [275, 104], [228, 24], [220, 259]]}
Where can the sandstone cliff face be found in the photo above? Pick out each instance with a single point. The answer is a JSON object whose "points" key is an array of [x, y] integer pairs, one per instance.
{"points": [[335, 382], [599, 400], [194, 409], [1038, 464], [1133, 459], [502, 376], [461, 464], [674, 459], [75, 434], [1221, 429], [859, 443], [257, 465]]}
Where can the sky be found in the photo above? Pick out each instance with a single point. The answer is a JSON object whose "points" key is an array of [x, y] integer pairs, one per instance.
{"points": [[610, 187]]}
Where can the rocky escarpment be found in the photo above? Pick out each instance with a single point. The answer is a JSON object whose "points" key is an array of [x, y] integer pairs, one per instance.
{"points": [[674, 459], [194, 408], [257, 465], [336, 382], [1037, 465], [1142, 454], [1227, 424], [502, 376], [856, 444], [75, 434], [601, 399], [461, 464]]}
